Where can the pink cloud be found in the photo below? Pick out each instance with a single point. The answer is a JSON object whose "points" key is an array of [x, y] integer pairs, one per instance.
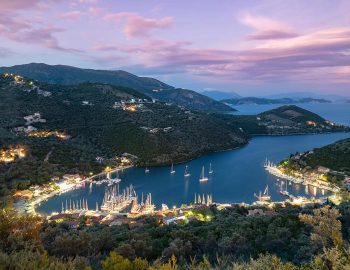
{"points": [[271, 34], [267, 28], [295, 58], [88, 1], [71, 15], [19, 29], [261, 22], [16, 5], [95, 11], [138, 26]]}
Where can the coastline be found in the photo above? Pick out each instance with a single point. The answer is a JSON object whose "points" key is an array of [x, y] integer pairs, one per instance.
{"points": [[30, 206], [303, 181], [240, 146]]}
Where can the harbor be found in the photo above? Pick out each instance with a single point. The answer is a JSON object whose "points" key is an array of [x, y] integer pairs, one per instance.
{"points": [[236, 175], [303, 180], [68, 183]]}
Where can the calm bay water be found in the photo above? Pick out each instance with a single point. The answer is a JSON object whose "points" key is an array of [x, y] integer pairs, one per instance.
{"points": [[238, 174]]}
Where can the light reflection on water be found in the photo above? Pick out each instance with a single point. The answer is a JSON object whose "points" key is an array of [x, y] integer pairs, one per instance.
{"points": [[238, 174]]}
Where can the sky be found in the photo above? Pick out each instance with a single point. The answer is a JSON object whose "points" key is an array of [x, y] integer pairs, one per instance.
{"points": [[244, 46]]}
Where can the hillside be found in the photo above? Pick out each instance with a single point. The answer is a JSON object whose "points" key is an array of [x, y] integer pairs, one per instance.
{"points": [[60, 74], [81, 122], [285, 120], [263, 101], [68, 128], [335, 156], [220, 95]]}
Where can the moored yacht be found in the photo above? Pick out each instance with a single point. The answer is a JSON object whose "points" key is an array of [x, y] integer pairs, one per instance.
{"points": [[210, 169], [187, 174], [203, 178], [263, 197], [172, 171]]}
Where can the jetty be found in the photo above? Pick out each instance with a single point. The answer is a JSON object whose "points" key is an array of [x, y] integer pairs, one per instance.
{"points": [[274, 170]]}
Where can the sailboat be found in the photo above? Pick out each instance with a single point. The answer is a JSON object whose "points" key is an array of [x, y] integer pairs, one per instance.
{"points": [[146, 170], [210, 169], [90, 188], [203, 178], [187, 174], [265, 196], [284, 192], [172, 171]]}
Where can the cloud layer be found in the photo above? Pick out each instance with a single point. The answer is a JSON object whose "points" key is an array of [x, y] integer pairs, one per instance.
{"points": [[229, 46]]}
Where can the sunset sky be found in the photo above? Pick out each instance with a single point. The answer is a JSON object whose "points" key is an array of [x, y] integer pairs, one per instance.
{"points": [[250, 47]]}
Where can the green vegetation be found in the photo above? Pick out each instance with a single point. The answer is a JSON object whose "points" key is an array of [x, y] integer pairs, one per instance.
{"points": [[284, 120], [283, 238], [60, 74], [335, 157], [156, 133]]}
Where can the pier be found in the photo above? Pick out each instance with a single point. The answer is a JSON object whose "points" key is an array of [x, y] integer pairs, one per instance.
{"points": [[274, 170]]}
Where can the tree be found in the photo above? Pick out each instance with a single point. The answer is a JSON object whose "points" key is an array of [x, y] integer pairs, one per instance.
{"points": [[18, 232], [140, 264], [334, 259], [326, 226], [116, 262]]}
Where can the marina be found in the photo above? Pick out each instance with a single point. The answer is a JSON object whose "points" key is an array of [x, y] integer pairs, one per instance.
{"points": [[316, 183], [238, 175]]}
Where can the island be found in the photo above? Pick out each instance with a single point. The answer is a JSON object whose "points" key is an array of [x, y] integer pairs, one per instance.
{"points": [[264, 101]]}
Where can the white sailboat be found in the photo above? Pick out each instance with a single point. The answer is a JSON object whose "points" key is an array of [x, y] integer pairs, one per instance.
{"points": [[210, 169], [263, 197], [187, 174], [284, 192], [172, 171], [203, 178]]}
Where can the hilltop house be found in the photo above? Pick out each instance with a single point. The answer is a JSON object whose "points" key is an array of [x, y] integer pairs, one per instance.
{"points": [[34, 118], [323, 170]]}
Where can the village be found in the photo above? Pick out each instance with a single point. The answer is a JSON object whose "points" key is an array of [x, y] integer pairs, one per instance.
{"points": [[78, 213], [126, 207], [317, 178]]}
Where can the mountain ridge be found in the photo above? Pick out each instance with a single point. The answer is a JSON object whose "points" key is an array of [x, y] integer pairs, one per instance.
{"points": [[63, 74]]}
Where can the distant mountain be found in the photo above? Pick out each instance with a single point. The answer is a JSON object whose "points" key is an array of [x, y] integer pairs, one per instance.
{"points": [[220, 95], [299, 95], [261, 101], [61, 74], [284, 120]]}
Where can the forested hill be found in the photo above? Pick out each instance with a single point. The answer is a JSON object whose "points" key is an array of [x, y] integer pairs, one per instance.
{"points": [[60, 74], [284, 120], [335, 156], [68, 126], [97, 124]]}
